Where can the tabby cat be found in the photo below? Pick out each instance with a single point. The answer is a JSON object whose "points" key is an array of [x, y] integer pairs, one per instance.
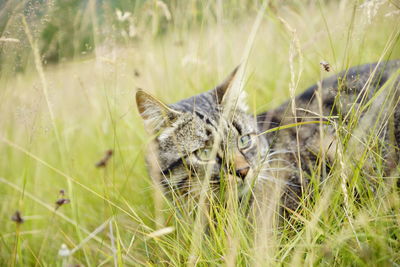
{"points": [[362, 100]]}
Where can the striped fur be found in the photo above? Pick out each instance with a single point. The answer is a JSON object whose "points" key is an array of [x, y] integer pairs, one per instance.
{"points": [[187, 129]]}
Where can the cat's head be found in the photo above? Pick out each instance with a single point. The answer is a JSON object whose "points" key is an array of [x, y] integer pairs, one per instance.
{"points": [[185, 134]]}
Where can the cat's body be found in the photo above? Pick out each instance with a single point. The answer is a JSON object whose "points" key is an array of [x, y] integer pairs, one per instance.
{"points": [[341, 102], [187, 130]]}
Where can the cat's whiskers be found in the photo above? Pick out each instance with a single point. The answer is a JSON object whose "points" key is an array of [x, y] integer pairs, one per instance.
{"points": [[279, 152], [275, 160], [262, 179], [278, 169]]}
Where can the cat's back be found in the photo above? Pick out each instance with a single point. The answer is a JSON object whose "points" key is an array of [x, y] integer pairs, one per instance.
{"points": [[339, 93]]}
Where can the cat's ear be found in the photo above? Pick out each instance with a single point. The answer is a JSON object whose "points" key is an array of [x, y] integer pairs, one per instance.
{"points": [[155, 114], [222, 91]]}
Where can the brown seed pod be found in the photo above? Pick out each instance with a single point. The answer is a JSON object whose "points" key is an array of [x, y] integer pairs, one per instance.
{"points": [[136, 73], [326, 66], [103, 162], [62, 201], [17, 217]]}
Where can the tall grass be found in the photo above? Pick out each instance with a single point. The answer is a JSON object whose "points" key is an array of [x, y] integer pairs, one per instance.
{"points": [[57, 121]]}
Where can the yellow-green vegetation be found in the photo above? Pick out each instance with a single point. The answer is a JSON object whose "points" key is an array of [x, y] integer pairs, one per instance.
{"points": [[57, 120]]}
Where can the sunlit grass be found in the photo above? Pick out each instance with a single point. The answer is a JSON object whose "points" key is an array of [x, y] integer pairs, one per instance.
{"points": [[54, 144]]}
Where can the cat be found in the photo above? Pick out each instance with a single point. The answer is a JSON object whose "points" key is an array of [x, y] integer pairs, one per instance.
{"points": [[278, 146]]}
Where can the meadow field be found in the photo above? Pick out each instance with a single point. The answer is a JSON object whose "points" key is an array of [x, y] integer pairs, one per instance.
{"points": [[67, 100]]}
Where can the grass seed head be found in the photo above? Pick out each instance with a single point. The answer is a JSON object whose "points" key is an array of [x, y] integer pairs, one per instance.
{"points": [[64, 251], [136, 73], [326, 66], [62, 201], [103, 162], [17, 217]]}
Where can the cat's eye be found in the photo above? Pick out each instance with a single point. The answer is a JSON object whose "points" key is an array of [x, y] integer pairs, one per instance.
{"points": [[244, 141], [204, 154]]}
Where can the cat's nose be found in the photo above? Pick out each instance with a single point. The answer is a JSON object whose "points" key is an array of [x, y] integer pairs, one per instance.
{"points": [[242, 173], [242, 167]]}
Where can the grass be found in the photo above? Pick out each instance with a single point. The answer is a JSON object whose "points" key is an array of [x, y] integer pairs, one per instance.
{"points": [[57, 123]]}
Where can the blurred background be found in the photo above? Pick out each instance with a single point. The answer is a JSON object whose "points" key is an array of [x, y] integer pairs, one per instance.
{"points": [[68, 74]]}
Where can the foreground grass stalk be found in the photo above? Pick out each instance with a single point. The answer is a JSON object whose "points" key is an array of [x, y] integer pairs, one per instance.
{"points": [[39, 69], [45, 90], [17, 255], [293, 85]]}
